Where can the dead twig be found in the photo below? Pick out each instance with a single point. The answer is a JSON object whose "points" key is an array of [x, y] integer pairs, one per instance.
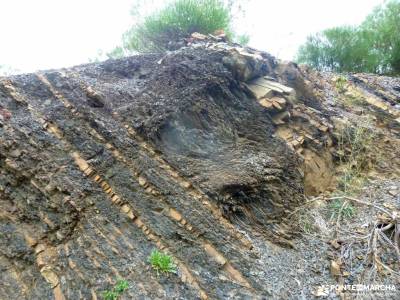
{"points": [[377, 236]]}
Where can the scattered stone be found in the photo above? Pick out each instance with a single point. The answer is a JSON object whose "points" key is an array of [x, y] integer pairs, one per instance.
{"points": [[277, 105], [11, 165], [125, 208], [323, 128], [275, 86], [50, 276], [175, 215], [30, 240], [40, 248], [16, 153], [244, 66], [4, 114], [267, 103], [186, 184], [94, 98], [321, 291], [335, 244], [142, 181], [219, 33], [198, 36], [260, 92], [131, 215], [335, 268], [280, 100]]}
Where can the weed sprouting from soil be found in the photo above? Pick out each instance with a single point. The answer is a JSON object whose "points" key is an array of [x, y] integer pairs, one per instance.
{"points": [[340, 84], [117, 290], [162, 262], [347, 95], [339, 208]]}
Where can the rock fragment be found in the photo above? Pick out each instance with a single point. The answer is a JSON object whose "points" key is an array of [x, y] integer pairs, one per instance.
{"points": [[259, 91]]}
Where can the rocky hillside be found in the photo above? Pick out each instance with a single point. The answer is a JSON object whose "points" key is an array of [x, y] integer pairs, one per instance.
{"points": [[203, 153]]}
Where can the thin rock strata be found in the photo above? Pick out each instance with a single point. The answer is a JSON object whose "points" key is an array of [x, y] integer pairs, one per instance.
{"points": [[195, 153]]}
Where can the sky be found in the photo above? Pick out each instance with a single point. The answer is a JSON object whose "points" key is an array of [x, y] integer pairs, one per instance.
{"points": [[47, 34]]}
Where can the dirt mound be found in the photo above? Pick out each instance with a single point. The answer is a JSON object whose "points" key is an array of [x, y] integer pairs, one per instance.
{"points": [[202, 153]]}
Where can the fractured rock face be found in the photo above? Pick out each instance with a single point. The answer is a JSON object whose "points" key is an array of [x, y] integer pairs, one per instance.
{"points": [[194, 153], [100, 158], [259, 92]]}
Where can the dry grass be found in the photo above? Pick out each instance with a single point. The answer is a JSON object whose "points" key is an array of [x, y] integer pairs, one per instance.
{"points": [[356, 150], [364, 235]]}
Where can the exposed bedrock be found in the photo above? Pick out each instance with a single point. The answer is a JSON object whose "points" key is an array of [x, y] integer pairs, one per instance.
{"points": [[194, 153]]}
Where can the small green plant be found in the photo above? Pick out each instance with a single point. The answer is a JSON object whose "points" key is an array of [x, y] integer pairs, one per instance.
{"points": [[345, 210], [243, 39], [340, 83], [305, 220], [307, 226], [162, 262], [117, 291]]}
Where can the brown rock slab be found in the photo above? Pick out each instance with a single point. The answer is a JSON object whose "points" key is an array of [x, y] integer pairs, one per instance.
{"points": [[335, 268], [267, 103], [50, 276], [259, 91]]}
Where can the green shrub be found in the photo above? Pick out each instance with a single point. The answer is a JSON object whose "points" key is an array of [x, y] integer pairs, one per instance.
{"points": [[117, 291], [373, 46], [162, 262], [178, 19], [335, 49]]}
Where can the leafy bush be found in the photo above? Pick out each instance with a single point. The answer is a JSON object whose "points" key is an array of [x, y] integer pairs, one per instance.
{"points": [[162, 262], [178, 19], [374, 46], [117, 291]]}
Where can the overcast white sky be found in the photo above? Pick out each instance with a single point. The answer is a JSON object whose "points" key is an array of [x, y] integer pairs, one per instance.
{"points": [[43, 34]]}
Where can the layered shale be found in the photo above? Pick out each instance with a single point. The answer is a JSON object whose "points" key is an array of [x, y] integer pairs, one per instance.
{"points": [[196, 153]]}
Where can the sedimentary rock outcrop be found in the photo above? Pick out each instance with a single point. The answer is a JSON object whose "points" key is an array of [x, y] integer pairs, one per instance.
{"points": [[194, 152]]}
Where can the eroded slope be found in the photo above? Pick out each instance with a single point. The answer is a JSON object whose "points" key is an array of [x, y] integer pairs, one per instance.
{"points": [[201, 153]]}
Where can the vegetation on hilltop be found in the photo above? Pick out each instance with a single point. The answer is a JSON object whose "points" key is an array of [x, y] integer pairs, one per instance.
{"points": [[159, 30], [373, 46]]}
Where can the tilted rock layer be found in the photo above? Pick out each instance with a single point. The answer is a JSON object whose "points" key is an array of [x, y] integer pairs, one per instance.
{"points": [[194, 153]]}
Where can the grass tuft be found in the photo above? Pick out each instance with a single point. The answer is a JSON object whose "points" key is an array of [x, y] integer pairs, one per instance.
{"points": [[345, 210], [162, 262], [117, 291], [341, 83]]}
